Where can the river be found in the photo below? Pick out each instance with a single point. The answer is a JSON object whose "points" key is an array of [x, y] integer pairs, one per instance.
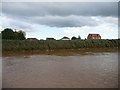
{"points": [[96, 70]]}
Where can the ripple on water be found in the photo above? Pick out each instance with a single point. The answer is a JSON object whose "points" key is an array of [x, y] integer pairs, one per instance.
{"points": [[81, 71]]}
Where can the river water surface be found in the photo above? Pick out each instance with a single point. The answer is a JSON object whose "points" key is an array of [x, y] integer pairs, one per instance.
{"points": [[97, 70]]}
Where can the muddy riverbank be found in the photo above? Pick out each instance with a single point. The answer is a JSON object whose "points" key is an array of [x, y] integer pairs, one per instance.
{"points": [[59, 52]]}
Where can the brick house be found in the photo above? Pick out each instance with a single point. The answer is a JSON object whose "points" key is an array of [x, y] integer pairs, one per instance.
{"points": [[94, 36], [32, 39]]}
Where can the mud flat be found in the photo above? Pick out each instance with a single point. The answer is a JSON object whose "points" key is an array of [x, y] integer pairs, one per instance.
{"points": [[59, 52]]}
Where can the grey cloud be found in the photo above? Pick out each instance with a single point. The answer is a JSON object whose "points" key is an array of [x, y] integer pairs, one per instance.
{"points": [[68, 21], [61, 9], [57, 14], [15, 24]]}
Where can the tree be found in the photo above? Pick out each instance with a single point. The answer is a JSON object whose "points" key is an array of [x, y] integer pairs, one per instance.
{"points": [[73, 38], [9, 34], [79, 37], [21, 35]]}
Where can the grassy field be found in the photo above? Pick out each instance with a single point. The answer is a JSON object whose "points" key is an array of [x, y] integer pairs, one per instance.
{"points": [[25, 45]]}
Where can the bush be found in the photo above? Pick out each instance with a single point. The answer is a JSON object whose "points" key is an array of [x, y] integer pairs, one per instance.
{"points": [[18, 45]]}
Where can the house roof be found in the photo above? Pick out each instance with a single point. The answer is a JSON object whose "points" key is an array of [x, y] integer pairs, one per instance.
{"points": [[94, 35], [65, 37], [50, 38], [32, 39]]}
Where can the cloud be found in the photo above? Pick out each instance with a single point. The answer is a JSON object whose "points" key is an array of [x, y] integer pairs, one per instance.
{"points": [[101, 20], [58, 14], [72, 31], [67, 21], [74, 18], [61, 8], [16, 24], [106, 30], [73, 21], [60, 1]]}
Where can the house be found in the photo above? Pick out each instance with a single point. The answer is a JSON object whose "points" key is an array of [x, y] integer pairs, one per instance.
{"points": [[50, 39], [32, 39], [94, 36], [41, 39], [65, 38]]}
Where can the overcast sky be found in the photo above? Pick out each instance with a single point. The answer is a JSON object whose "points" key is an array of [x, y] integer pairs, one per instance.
{"points": [[41, 20]]}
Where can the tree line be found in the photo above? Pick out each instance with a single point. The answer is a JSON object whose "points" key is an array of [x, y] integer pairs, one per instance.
{"points": [[9, 34], [16, 41]]}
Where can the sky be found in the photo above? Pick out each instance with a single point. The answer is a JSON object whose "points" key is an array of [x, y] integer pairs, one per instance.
{"points": [[58, 19]]}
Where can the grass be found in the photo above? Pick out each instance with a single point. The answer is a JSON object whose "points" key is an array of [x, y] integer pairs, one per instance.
{"points": [[43, 45]]}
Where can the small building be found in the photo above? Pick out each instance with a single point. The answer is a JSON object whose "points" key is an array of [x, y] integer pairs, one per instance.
{"points": [[94, 36], [50, 39], [41, 39], [32, 39], [65, 38]]}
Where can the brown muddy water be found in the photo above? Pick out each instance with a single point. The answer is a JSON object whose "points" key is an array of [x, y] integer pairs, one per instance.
{"points": [[96, 70]]}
